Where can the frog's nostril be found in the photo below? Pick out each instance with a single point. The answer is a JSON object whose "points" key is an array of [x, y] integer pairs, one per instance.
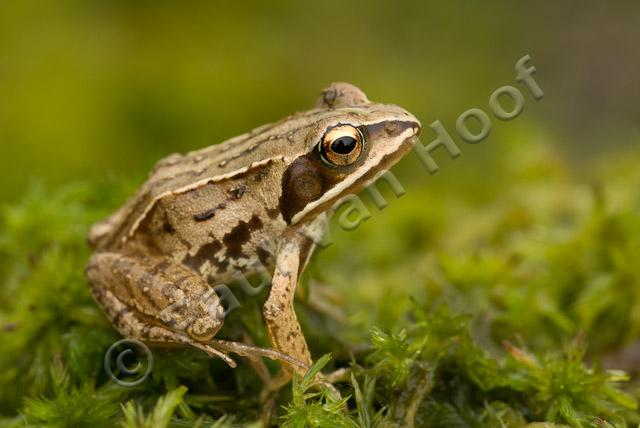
{"points": [[390, 127]]}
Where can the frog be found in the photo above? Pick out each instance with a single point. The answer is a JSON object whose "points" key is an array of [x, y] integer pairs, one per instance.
{"points": [[261, 199]]}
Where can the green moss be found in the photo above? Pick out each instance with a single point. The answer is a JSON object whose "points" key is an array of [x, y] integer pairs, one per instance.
{"points": [[489, 307], [313, 408]]}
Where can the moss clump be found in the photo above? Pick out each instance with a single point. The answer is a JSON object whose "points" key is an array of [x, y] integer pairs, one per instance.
{"points": [[501, 306]]}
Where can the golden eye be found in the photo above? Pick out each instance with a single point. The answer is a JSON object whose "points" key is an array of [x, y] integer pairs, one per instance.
{"points": [[342, 145]]}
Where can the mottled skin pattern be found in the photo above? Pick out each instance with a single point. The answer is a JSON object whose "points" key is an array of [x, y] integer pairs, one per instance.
{"points": [[259, 199]]}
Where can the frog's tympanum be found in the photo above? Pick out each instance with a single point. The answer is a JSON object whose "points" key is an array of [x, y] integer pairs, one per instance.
{"points": [[259, 199]]}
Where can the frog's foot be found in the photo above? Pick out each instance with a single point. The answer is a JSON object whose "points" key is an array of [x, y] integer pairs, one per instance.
{"points": [[271, 385], [254, 352], [211, 351]]}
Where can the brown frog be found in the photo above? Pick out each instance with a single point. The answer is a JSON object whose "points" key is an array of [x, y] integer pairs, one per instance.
{"points": [[259, 199]]}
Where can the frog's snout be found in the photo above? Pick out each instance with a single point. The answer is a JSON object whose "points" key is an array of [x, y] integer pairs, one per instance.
{"points": [[416, 125]]}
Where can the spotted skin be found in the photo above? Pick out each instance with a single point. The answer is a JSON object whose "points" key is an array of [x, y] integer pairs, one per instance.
{"points": [[256, 201]]}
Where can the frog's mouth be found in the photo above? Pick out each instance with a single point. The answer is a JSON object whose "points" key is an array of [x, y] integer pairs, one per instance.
{"points": [[357, 182]]}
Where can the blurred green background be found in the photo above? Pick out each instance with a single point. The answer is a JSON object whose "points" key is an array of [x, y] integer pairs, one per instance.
{"points": [[92, 88], [533, 235]]}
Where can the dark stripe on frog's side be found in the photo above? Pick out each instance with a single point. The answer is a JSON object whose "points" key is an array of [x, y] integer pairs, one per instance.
{"points": [[210, 213], [204, 254], [239, 235], [308, 178], [233, 241]]}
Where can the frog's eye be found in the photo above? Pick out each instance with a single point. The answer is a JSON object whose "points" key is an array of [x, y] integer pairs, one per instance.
{"points": [[341, 145]]}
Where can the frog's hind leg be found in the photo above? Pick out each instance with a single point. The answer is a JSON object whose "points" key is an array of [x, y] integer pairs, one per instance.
{"points": [[132, 325], [155, 300]]}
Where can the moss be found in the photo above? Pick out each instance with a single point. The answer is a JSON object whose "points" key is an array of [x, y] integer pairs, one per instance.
{"points": [[505, 306]]}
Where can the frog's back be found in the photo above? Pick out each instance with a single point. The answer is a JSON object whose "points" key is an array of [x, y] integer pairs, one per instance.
{"points": [[282, 139], [252, 154], [270, 146]]}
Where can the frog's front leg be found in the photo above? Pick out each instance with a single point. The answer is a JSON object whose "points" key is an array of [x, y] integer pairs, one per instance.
{"points": [[155, 300], [282, 324]]}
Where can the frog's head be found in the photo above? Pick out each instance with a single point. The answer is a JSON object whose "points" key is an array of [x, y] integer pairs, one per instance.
{"points": [[353, 142]]}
